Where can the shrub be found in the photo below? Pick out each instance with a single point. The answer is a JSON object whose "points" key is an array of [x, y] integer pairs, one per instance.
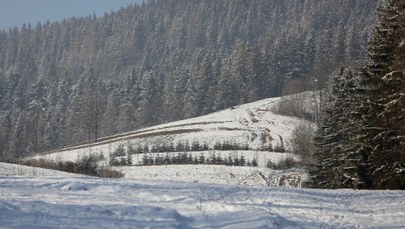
{"points": [[301, 141], [293, 105], [120, 151], [254, 162], [86, 165], [195, 146], [108, 173], [287, 163]]}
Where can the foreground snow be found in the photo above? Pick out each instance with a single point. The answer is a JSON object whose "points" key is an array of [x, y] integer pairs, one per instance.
{"points": [[27, 202]]}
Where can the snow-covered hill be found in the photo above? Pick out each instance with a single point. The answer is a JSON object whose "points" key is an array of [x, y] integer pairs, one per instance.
{"points": [[110, 203], [191, 196], [252, 126]]}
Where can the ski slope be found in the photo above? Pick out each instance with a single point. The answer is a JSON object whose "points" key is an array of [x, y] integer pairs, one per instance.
{"points": [[84, 202]]}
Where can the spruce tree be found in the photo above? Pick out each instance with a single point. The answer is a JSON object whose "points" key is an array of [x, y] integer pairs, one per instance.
{"points": [[334, 161], [386, 80], [361, 136]]}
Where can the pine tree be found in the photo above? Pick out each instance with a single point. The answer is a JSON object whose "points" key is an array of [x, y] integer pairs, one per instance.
{"points": [[361, 136], [386, 81], [334, 161]]}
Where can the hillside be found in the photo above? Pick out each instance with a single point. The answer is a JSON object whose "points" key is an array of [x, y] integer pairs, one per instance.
{"points": [[80, 79], [252, 131]]}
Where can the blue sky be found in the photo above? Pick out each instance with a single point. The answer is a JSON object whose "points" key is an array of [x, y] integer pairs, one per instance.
{"points": [[17, 12]]}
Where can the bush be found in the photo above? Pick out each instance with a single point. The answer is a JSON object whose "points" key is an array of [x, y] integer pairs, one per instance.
{"points": [[133, 150], [301, 141], [254, 162], [86, 165], [195, 146], [120, 151], [287, 163], [107, 172], [293, 105]]}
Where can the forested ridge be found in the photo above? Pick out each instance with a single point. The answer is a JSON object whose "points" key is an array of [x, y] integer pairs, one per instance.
{"points": [[83, 78]]}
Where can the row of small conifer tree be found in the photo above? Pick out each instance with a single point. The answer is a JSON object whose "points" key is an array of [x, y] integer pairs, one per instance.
{"points": [[183, 159], [195, 146]]}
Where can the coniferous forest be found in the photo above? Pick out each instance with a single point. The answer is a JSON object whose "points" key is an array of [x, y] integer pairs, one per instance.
{"points": [[80, 79], [361, 131]]}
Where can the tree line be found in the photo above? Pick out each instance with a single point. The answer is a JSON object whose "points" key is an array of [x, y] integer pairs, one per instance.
{"points": [[182, 158], [84, 78]]}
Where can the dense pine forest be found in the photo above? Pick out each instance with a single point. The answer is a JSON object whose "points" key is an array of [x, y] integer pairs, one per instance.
{"points": [[80, 79], [360, 141]]}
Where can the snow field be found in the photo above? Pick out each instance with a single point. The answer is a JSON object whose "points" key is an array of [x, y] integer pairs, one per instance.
{"points": [[109, 203]]}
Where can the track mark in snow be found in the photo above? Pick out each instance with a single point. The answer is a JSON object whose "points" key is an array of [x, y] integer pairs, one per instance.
{"points": [[110, 203]]}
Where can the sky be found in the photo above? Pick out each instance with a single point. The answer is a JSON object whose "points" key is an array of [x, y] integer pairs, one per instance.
{"points": [[19, 12]]}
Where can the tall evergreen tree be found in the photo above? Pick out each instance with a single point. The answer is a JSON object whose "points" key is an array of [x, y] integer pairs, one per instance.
{"points": [[335, 161], [360, 142], [386, 80]]}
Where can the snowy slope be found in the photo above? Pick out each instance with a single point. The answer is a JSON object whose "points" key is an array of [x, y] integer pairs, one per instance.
{"points": [[253, 125], [110, 203]]}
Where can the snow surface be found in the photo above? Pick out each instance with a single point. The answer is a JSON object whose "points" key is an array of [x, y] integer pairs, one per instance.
{"points": [[28, 202]]}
